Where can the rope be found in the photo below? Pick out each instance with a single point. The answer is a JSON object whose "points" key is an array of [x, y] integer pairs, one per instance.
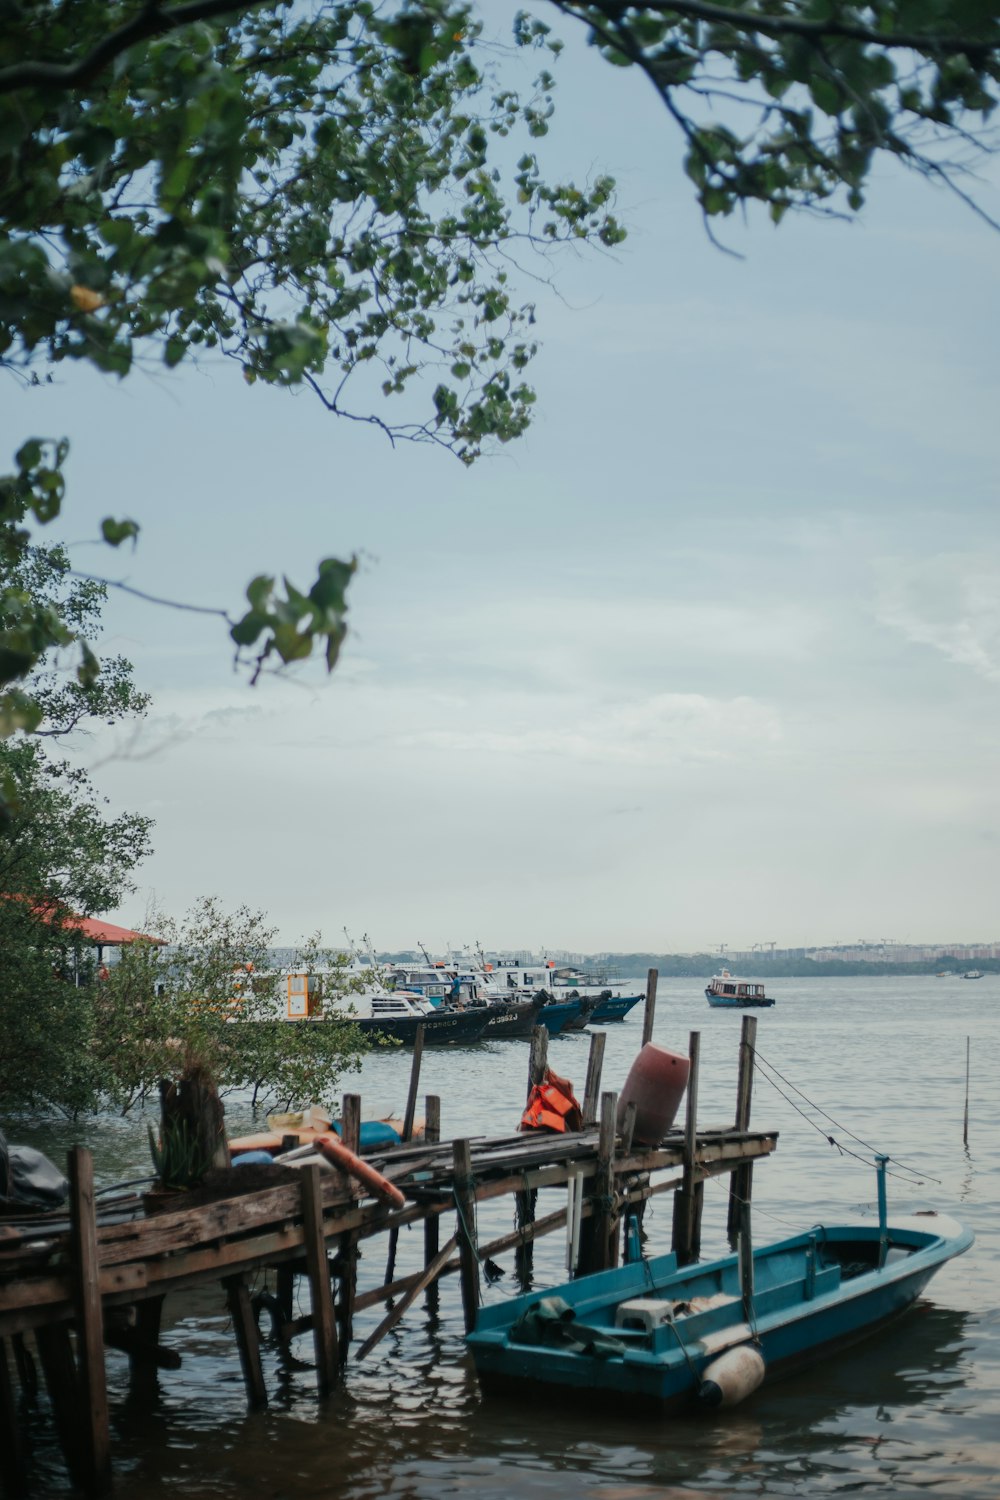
{"points": [[906, 1174]]}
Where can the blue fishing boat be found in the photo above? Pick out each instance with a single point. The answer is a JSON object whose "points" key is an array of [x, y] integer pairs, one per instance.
{"points": [[655, 1337], [614, 1007], [555, 1014]]}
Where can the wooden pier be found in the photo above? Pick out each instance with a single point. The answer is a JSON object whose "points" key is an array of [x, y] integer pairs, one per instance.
{"points": [[69, 1289]]}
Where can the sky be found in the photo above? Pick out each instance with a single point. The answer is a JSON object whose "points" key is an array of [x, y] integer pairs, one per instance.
{"points": [[711, 656]]}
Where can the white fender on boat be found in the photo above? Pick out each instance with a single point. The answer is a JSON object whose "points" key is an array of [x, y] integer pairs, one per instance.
{"points": [[732, 1377]]}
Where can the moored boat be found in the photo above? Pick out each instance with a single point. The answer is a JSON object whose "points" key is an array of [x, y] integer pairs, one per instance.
{"points": [[973, 974], [655, 1337], [724, 991]]}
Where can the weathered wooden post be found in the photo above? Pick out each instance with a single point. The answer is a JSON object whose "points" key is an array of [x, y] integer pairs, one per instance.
{"points": [[12, 1467], [90, 1320], [599, 1241], [741, 1181], [318, 1270], [432, 1223], [689, 1196], [524, 1202], [649, 1009], [468, 1250], [350, 1126], [592, 1088], [247, 1340], [408, 1117]]}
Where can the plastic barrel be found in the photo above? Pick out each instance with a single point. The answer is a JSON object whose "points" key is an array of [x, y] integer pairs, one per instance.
{"points": [[656, 1082]]}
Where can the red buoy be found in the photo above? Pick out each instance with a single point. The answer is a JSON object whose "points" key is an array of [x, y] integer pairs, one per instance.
{"points": [[656, 1082]]}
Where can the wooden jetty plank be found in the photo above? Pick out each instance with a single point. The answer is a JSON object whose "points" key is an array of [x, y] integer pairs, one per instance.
{"points": [[85, 1276], [324, 1322]]}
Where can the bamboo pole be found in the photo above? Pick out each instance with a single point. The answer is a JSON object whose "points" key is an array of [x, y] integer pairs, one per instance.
{"points": [[324, 1322], [465, 1203], [649, 1009], [741, 1181], [90, 1320]]}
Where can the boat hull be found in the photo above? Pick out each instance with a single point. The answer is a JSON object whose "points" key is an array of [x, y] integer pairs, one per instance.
{"points": [[441, 1028], [512, 1019], [813, 1296], [614, 1008], [737, 1002]]}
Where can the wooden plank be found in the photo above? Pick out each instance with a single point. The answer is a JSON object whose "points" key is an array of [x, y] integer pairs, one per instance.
{"points": [[592, 1087], [90, 1322], [247, 1340], [649, 1009], [425, 1277], [324, 1323], [465, 1204]]}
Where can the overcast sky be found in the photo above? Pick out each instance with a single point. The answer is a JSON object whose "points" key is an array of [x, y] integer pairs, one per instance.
{"points": [[712, 655]]}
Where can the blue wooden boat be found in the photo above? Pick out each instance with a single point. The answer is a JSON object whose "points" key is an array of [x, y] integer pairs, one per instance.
{"points": [[555, 1014], [652, 1336], [614, 1007]]}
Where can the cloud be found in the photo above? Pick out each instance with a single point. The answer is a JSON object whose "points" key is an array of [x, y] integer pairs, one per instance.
{"points": [[950, 603]]}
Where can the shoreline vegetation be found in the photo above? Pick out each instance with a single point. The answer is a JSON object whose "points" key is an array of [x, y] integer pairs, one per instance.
{"points": [[699, 965]]}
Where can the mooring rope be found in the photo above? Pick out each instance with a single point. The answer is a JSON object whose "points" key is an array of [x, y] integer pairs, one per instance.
{"points": [[905, 1174]]}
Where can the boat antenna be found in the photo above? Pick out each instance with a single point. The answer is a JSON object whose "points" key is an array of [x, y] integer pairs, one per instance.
{"points": [[351, 945]]}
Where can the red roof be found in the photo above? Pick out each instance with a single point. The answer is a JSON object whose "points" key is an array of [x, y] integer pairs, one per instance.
{"points": [[107, 932]]}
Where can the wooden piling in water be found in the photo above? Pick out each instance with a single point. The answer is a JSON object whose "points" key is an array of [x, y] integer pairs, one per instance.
{"points": [[408, 1117], [12, 1454], [318, 1270], [592, 1088], [741, 1180], [432, 1224], [90, 1322], [689, 1197], [350, 1126], [599, 1238], [649, 1009], [524, 1203], [247, 1340], [465, 1204]]}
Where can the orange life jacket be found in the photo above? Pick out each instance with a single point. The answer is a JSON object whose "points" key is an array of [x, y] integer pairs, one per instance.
{"points": [[552, 1106]]}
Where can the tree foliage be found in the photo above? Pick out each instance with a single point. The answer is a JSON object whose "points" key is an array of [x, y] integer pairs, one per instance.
{"points": [[789, 103], [212, 999], [339, 196]]}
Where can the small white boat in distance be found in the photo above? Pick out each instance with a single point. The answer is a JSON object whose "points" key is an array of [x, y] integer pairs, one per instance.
{"points": [[973, 974], [725, 992]]}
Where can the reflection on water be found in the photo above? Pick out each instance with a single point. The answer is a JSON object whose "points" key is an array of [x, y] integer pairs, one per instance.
{"points": [[913, 1410]]}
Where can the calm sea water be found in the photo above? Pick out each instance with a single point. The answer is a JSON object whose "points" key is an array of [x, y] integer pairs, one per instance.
{"points": [[914, 1411]]}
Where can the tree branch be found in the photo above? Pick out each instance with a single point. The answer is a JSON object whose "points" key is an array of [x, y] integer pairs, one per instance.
{"points": [[151, 20], [618, 12]]}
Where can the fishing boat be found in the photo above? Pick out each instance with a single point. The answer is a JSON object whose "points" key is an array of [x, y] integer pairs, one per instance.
{"points": [[611, 1007], [654, 1337], [973, 974], [724, 991]]}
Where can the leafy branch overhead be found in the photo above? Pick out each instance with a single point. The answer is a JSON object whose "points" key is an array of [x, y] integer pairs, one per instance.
{"points": [[348, 196], [789, 104]]}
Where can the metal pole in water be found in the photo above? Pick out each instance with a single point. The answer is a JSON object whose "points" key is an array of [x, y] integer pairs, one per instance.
{"points": [[965, 1126], [883, 1223]]}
